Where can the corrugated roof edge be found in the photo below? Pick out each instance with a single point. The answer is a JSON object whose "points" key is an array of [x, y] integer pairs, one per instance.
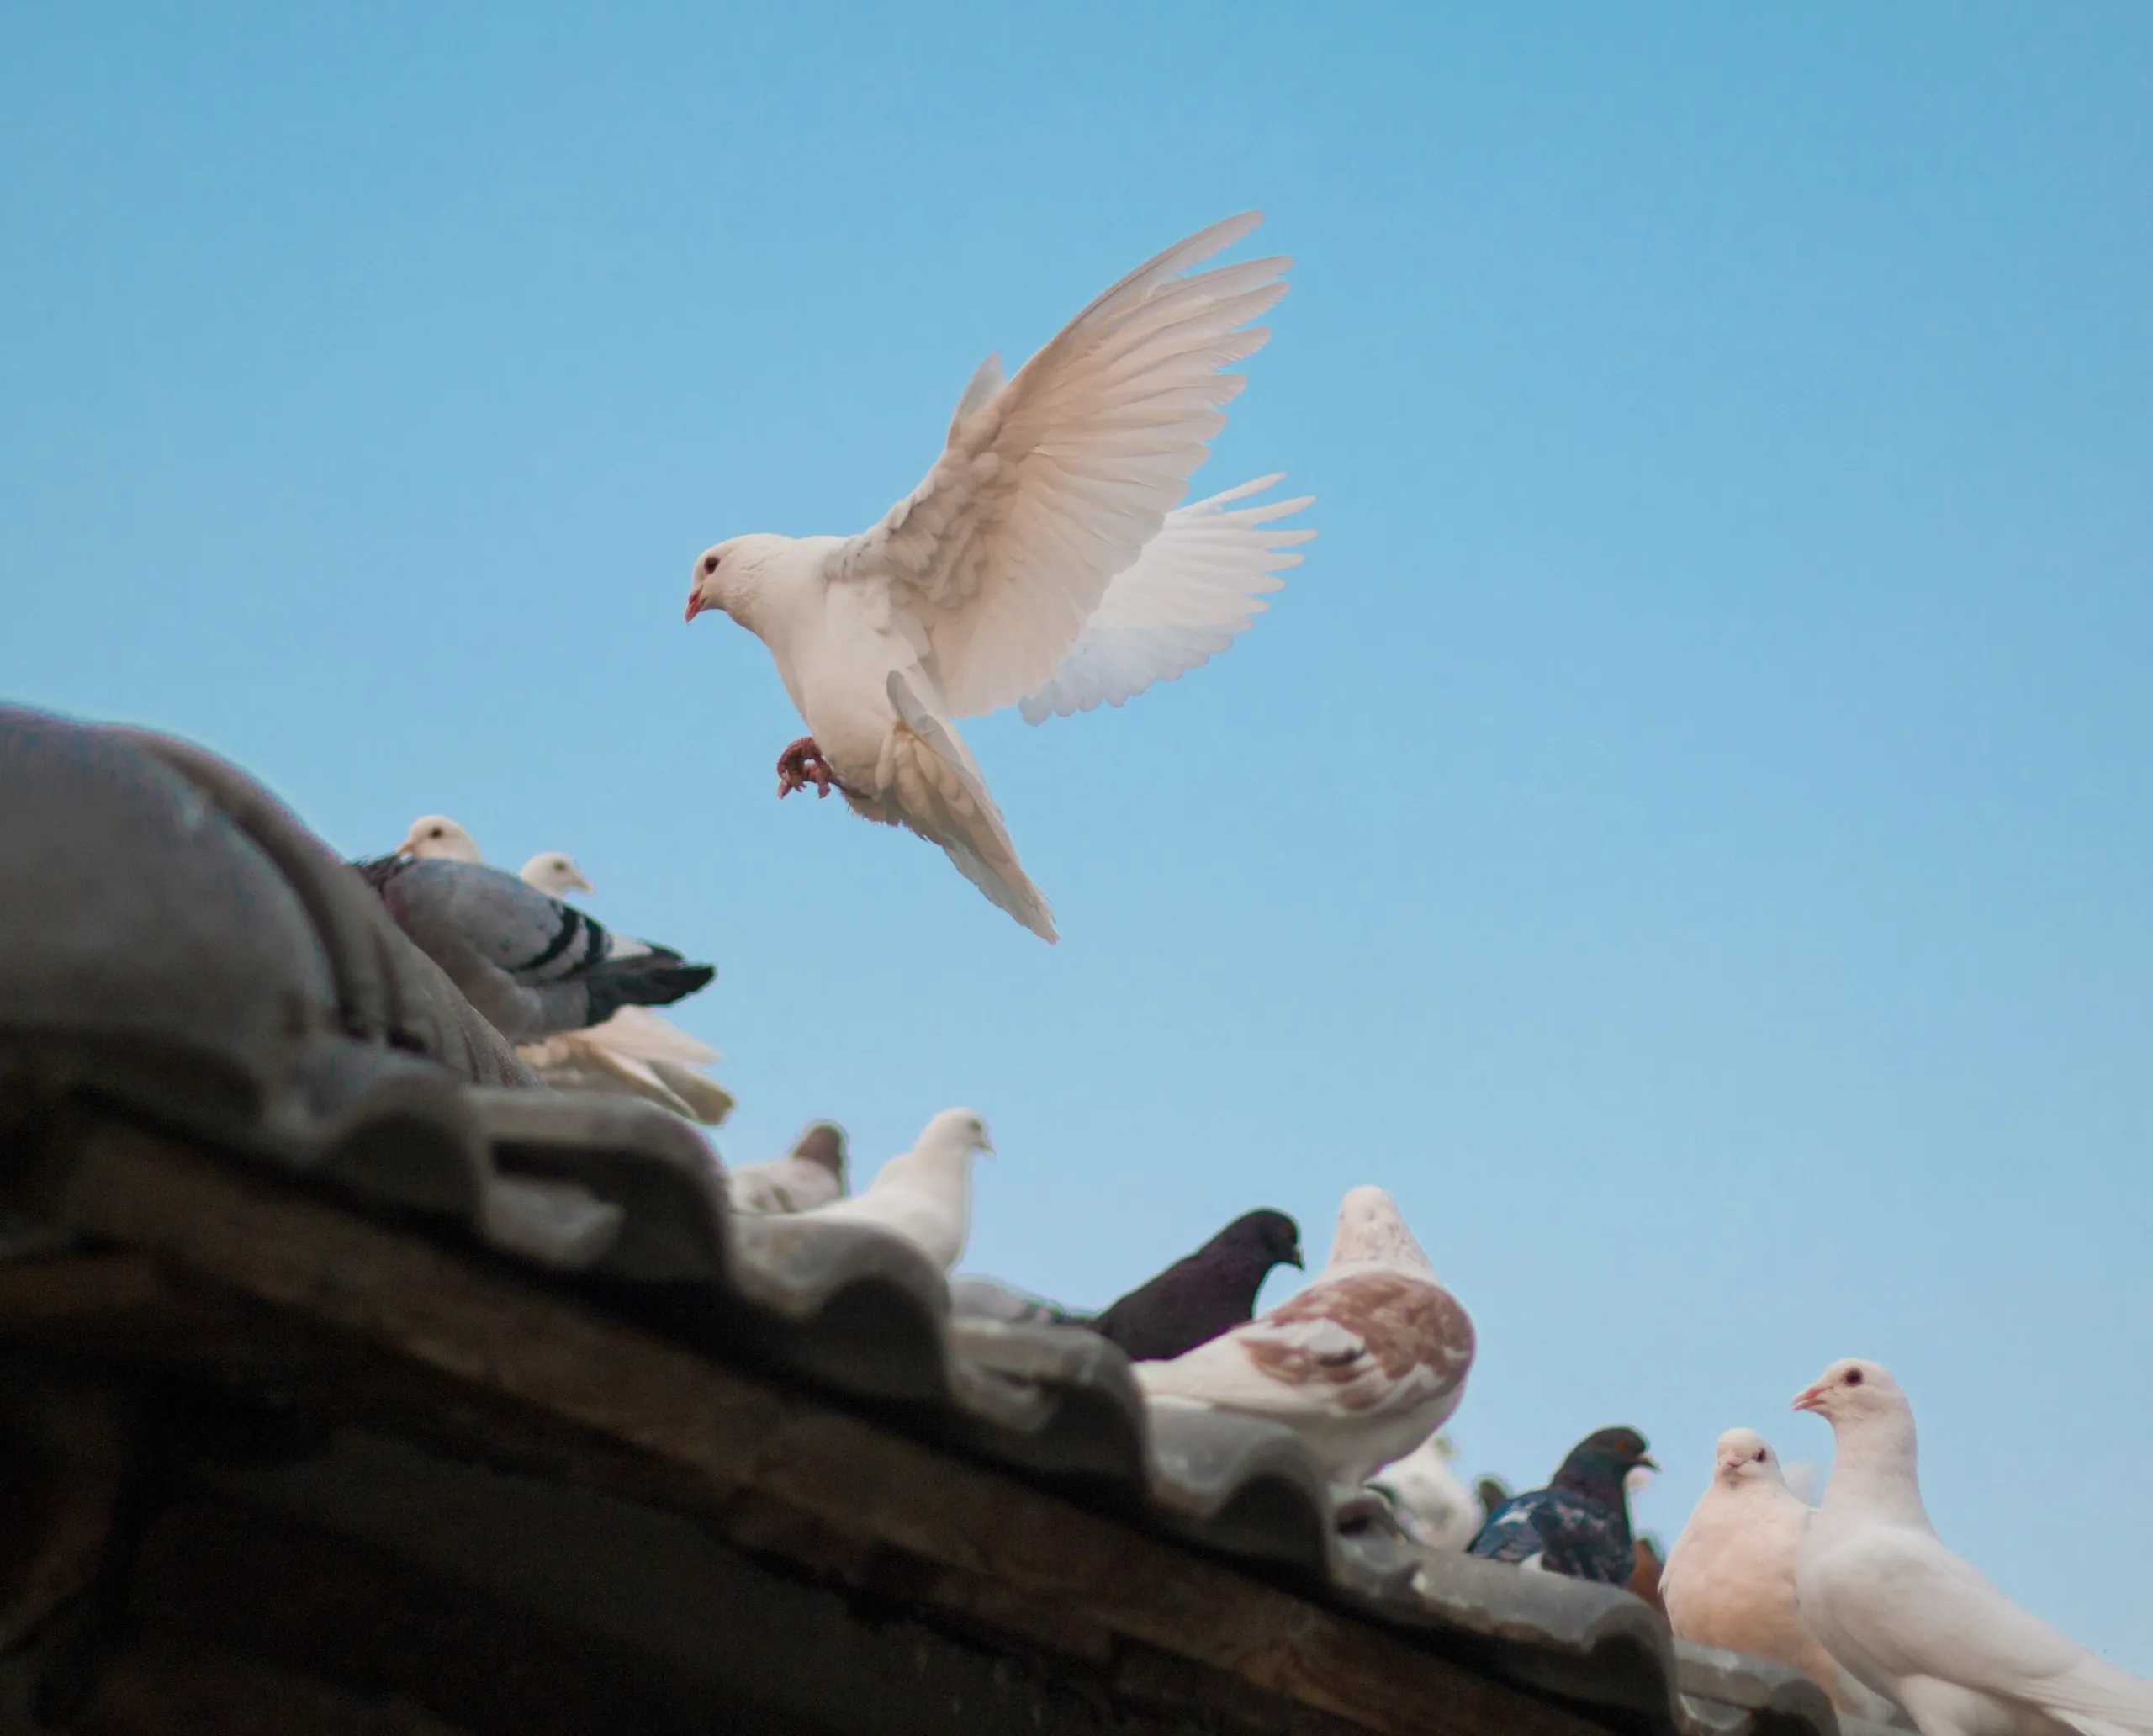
{"points": [[370, 1086]]}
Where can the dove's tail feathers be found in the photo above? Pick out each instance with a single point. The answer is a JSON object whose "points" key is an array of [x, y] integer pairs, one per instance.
{"points": [[941, 795], [653, 979], [1193, 587], [2096, 1699]]}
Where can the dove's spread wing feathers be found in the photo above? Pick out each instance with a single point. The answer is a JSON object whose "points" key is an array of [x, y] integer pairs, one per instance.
{"points": [[1051, 484], [1920, 1610], [1195, 585]]}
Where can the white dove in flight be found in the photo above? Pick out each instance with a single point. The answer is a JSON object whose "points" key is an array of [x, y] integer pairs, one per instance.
{"points": [[1046, 559]]}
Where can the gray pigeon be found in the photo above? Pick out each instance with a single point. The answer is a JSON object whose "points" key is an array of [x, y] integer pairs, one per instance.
{"points": [[533, 965]]}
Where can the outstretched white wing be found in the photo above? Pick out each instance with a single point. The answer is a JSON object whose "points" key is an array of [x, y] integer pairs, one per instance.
{"points": [[1051, 484], [1196, 584]]}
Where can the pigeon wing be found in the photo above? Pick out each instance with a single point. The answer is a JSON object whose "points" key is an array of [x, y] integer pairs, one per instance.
{"points": [[1511, 1533], [1922, 1611], [1051, 484], [1195, 585]]}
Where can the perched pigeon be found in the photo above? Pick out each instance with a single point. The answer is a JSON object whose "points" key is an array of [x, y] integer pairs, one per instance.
{"points": [[1578, 1524], [1196, 1299], [530, 964], [1913, 1620], [810, 1174], [1364, 1364], [925, 1194], [555, 874], [1729, 1580], [1431, 1506], [1046, 558], [437, 838], [635, 1051], [1647, 1571]]}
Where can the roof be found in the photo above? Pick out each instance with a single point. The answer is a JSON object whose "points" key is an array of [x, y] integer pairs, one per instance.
{"points": [[504, 1347]]}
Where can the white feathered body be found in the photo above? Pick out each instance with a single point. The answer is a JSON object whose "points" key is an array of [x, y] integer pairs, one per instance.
{"points": [[1917, 1624], [925, 1194], [1047, 558]]}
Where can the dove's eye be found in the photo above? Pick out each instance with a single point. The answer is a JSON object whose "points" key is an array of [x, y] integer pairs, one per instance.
{"points": [[1759, 1455], [710, 563], [1853, 1377]]}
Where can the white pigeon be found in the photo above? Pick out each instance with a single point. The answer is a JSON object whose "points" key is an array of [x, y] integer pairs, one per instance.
{"points": [[1364, 1364], [1915, 1622], [635, 1051], [810, 1174], [555, 873], [1729, 1579], [1432, 1506], [925, 1194], [1046, 559], [436, 837]]}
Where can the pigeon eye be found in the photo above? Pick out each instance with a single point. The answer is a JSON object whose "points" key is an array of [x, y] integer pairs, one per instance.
{"points": [[1853, 1377], [1759, 1455], [710, 563]]}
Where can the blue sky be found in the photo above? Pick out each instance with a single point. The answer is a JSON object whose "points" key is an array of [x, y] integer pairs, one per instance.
{"points": [[1685, 831]]}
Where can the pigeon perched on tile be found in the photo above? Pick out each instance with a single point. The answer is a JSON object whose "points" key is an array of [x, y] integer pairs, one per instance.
{"points": [[925, 1194], [1047, 557], [530, 964], [1364, 1364], [636, 1050], [1730, 1579], [555, 873], [1204, 1294], [1647, 1571], [1430, 1504], [812, 1173], [1578, 1524], [1915, 1622], [437, 838]]}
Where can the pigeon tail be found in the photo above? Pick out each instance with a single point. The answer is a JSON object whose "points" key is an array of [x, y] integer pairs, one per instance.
{"points": [[946, 802], [653, 979]]}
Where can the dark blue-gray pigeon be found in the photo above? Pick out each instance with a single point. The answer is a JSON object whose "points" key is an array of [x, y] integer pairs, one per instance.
{"points": [[533, 965], [1578, 1524], [1204, 1294]]}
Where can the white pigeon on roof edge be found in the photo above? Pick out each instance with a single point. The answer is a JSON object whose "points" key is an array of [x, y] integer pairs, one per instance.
{"points": [[1912, 1619], [925, 1194], [1046, 558]]}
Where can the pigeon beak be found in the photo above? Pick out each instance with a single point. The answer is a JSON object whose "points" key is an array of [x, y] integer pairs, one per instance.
{"points": [[695, 605], [583, 885], [1810, 1399], [1295, 1259], [1645, 1462]]}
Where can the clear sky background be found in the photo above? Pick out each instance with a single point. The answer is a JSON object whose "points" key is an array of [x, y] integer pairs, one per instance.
{"points": [[1685, 831]]}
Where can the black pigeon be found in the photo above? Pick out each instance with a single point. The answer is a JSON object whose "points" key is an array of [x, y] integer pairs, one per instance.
{"points": [[1212, 1291], [1578, 1524], [533, 965]]}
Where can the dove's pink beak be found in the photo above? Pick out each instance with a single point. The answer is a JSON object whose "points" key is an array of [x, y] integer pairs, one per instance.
{"points": [[1810, 1397], [695, 605]]}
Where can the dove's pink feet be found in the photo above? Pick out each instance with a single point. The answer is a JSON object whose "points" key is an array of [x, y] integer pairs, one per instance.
{"points": [[800, 765]]}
